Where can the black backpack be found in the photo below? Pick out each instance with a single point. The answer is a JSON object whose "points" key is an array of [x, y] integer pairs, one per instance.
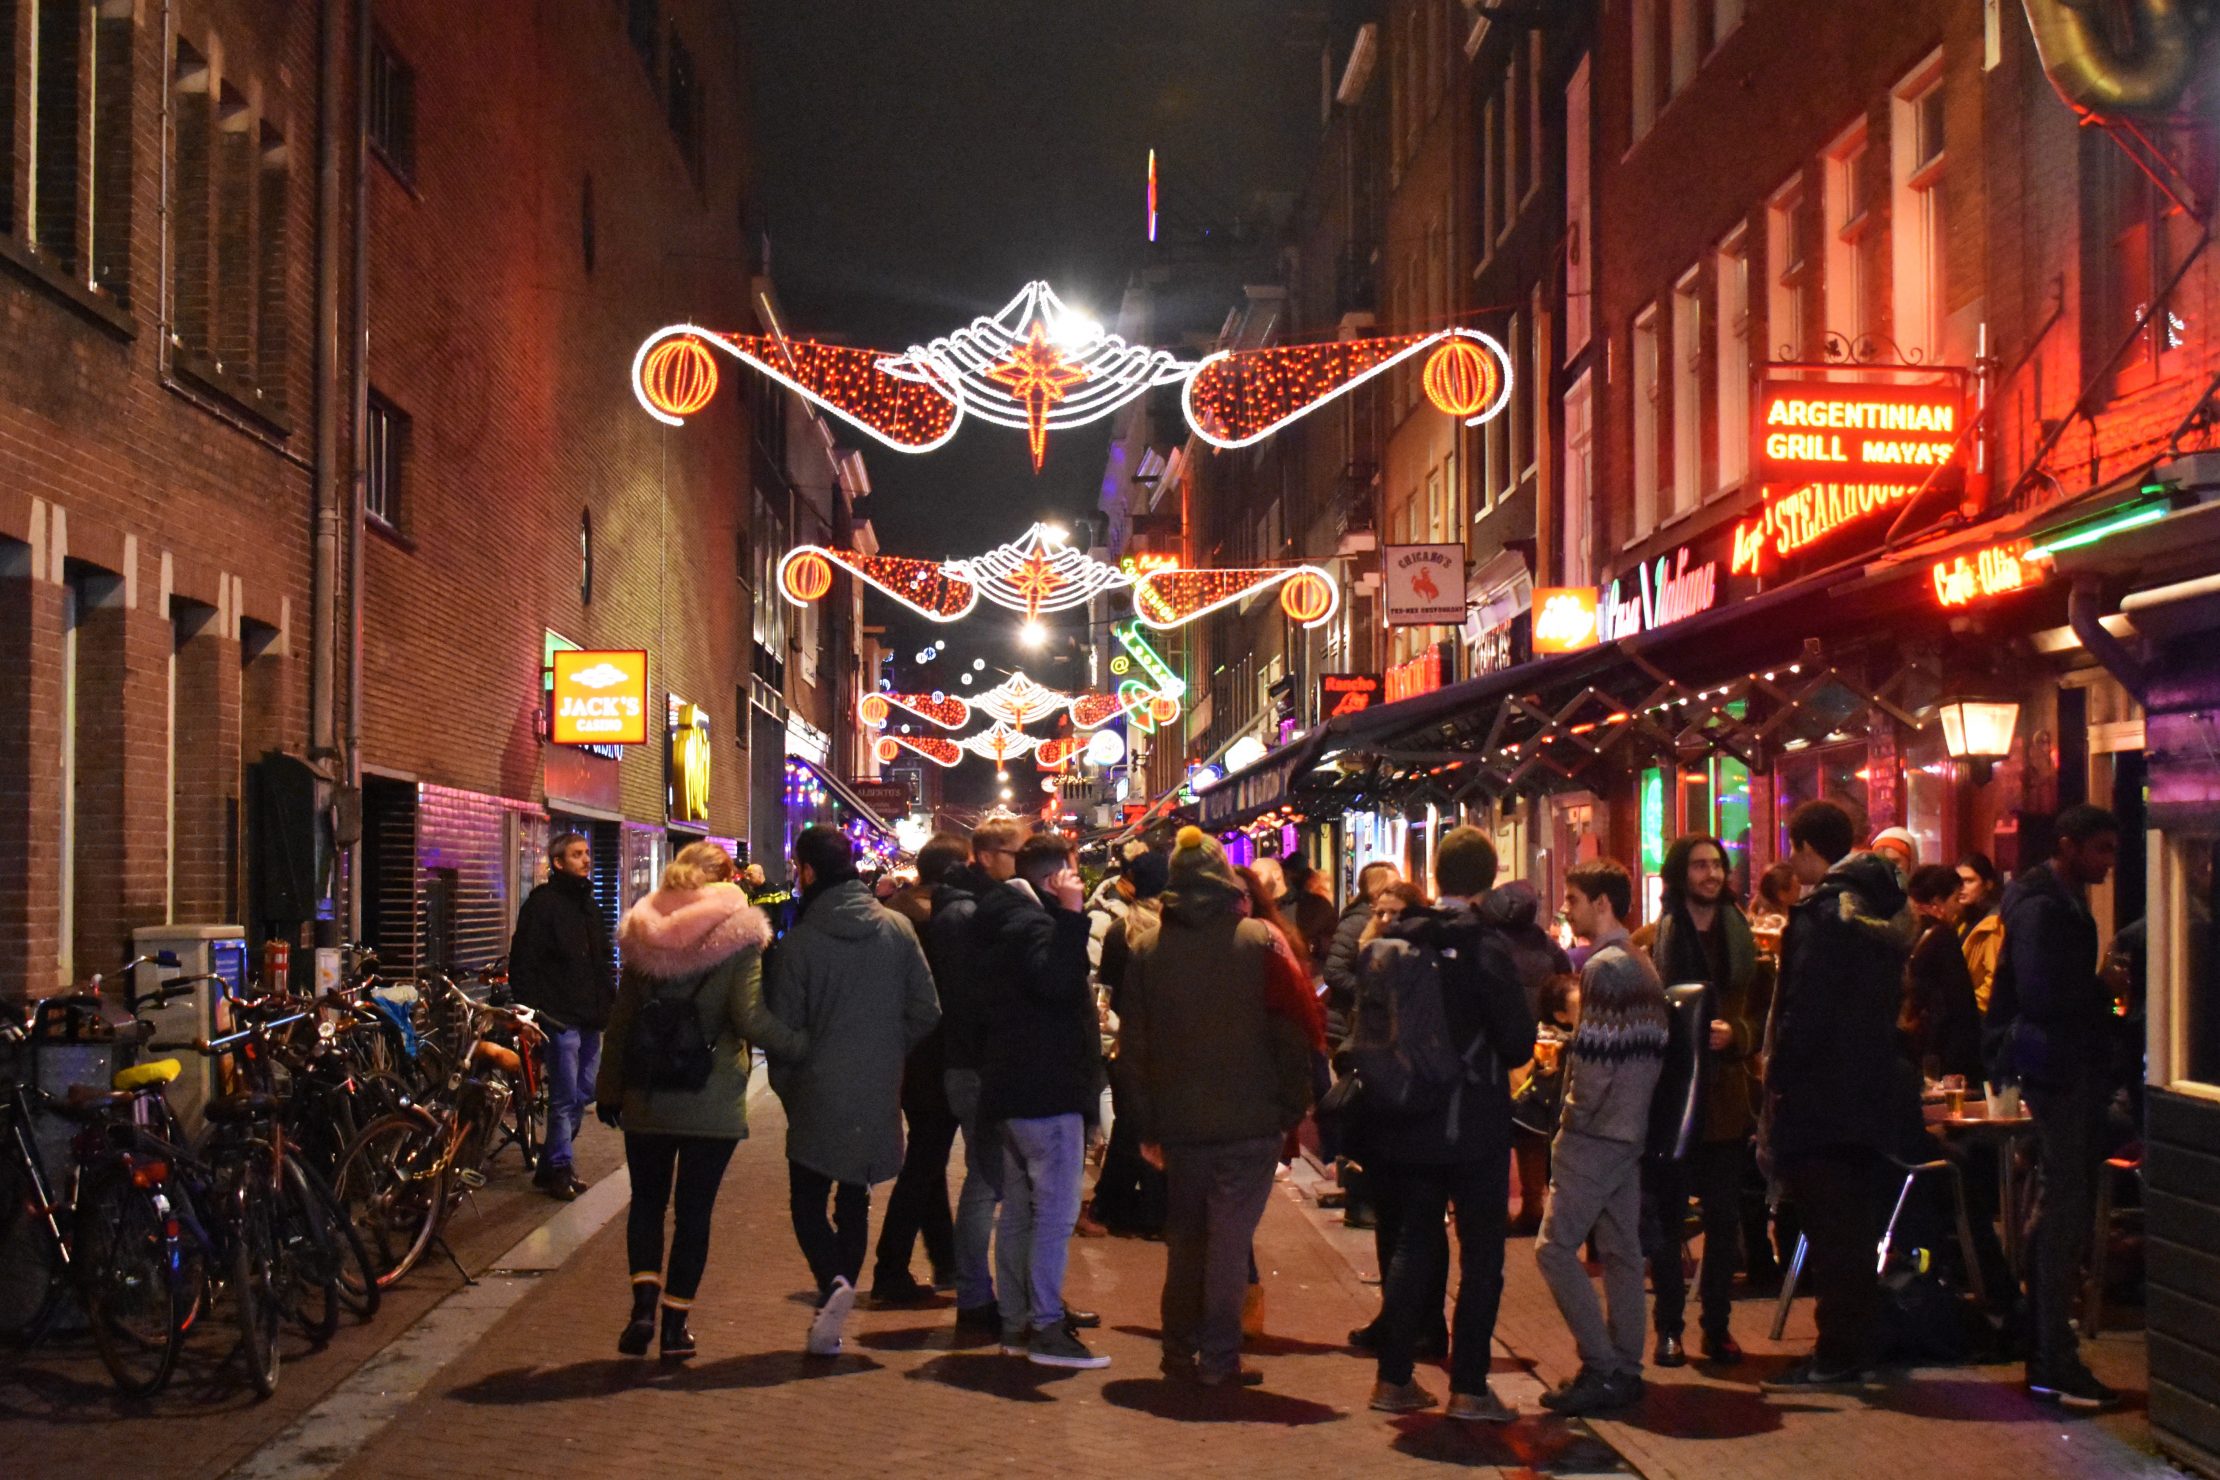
{"points": [[667, 1048], [1401, 1052]]}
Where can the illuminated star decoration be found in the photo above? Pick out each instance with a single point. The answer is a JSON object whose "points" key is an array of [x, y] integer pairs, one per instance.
{"points": [[1038, 367], [1040, 571], [1038, 374]]}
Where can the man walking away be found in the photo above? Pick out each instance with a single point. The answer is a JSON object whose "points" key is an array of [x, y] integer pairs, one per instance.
{"points": [[560, 966], [851, 976], [1837, 1097], [1449, 1148], [959, 972], [1595, 1190], [2061, 1039], [1037, 1078], [919, 1203], [1129, 1193], [1212, 1079], [1703, 937]]}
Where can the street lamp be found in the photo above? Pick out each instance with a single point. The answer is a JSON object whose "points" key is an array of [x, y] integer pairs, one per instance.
{"points": [[1979, 731], [1032, 635]]}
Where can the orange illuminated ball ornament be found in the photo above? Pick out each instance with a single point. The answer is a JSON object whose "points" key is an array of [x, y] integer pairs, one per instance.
{"points": [[1163, 709], [1306, 597], [1460, 379], [679, 376], [807, 577], [887, 749], [873, 710]]}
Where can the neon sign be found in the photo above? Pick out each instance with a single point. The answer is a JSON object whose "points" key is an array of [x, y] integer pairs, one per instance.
{"points": [[1994, 570], [600, 698], [1665, 591], [1564, 618], [1819, 430], [1421, 675], [1806, 516]]}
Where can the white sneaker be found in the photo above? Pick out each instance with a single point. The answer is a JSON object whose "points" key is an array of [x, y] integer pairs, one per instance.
{"points": [[825, 1326]]}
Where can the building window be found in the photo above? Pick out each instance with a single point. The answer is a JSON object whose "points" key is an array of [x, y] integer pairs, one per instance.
{"points": [[686, 106], [1648, 76], [1785, 272], [1514, 157], [57, 47], [1648, 388], [1495, 210], [385, 463], [1731, 396], [234, 229], [272, 328], [113, 30], [1688, 393], [2149, 235], [1574, 539], [1848, 227], [392, 101], [1687, 44], [1916, 231], [193, 210], [8, 50], [1579, 215]]}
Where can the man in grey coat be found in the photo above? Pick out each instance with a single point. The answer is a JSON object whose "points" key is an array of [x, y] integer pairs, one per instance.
{"points": [[851, 974]]}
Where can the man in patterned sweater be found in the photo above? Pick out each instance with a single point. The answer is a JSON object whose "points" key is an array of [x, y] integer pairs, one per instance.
{"points": [[1595, 1189]]}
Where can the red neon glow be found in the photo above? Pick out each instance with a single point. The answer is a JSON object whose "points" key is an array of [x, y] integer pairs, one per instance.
{"points": [[1152, 195], [1461, 379], [1806, 516], [1168, 598], [1307, 597], [910, 414], [935, 748], [1054, 755], [1092, 711], [925, 586], [1038, 375], [679, 376]]}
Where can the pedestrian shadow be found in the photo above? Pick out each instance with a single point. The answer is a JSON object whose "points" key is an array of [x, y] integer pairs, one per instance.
{"points": [[1977, 1400], [1527, 1446], [1189, 1402], [940, 1337], [520, 1386], [991, 1373], [1260, 1346], [1687, 1410]]}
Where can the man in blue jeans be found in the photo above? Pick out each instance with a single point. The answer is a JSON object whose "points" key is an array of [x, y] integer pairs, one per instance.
{"points": [[958, 964], [1039, 1057], [560, 966]]}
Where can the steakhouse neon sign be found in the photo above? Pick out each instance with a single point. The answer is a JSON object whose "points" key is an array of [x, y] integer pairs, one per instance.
{"points": [[1807, 515]]}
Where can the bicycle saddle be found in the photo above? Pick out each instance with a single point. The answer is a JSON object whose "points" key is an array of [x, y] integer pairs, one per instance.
{"points": [[225, 1109], [148, 1074]]}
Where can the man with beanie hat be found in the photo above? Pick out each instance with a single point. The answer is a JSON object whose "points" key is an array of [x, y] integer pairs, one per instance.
{"points": [[1213, 1078], [1129, 1193], [1426, 1160]]}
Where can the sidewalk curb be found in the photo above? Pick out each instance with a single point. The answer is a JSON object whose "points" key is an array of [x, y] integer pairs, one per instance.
{"points": [[353, 1413]]}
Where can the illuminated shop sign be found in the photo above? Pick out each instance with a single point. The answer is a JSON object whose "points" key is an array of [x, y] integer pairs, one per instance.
{"points": [[1425, 585], [1993, 570], [1664, 591], [1423, 674], [1564, 618], [1806, 515], [1347, 693], [690, 750], [598, 697], [1824, 431]]}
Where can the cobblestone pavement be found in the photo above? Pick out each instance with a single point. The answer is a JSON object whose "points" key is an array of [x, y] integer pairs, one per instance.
{"points": [[536, 1387]]}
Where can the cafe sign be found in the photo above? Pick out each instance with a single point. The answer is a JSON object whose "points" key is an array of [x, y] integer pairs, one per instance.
{"points": [[1564, 618], [599, 697], [1993, 570]]}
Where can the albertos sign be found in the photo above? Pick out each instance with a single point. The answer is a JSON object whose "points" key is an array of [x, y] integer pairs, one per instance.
{"points": [[598, 698], [1825, 431]]}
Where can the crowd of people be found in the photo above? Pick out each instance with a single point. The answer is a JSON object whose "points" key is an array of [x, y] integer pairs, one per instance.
{"points": [[1471, 1062]]}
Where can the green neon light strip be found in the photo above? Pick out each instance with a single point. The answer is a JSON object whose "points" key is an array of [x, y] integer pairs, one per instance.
{"points": [[2095, 532]]}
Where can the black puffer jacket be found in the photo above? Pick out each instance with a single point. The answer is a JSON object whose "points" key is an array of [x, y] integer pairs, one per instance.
{"points": [[1515, 910], [2048, 1011], [1831, 1075], [1341, 962], [955, 958], [1040, 1053], [559, 960]]}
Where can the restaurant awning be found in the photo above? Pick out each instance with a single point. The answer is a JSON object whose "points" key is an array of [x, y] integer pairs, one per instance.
{"points": [[846, 796]]}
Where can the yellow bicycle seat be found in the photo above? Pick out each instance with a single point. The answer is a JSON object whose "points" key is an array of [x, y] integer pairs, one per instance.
{"points": [[147, 1075]]}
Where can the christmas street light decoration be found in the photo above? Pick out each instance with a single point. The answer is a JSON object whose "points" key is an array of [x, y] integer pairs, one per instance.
{"points": [[1038, 366], [945, 710], [1040, 571], [1165, 599], [938, 749], [931, 589], [1018, 700]]}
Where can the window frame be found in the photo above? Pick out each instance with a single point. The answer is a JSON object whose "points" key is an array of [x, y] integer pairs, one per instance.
{"points": [[1731, 324], [385, 500], [1647, 388], [392, 100]]}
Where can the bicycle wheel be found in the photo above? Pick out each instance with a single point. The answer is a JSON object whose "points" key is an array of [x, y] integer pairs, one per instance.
{"points": [[358, 1280], [32, 1293], [131, 1279], [308, 1232], [393, 1182], [260, 1281]]}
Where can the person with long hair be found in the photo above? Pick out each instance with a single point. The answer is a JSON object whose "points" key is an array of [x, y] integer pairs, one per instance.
{"points": [[693, 944]]}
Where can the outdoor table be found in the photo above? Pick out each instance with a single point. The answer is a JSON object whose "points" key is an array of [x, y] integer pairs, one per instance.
{"points": [[1975, 1123]]}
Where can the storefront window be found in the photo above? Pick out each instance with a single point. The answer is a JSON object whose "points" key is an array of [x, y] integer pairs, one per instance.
{"points": [[1836, 773], [1653, 841], [2197, 997], [1927, 792]]}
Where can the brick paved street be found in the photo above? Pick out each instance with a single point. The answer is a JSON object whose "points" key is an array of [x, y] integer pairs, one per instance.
{"points": [[537, 1389]]}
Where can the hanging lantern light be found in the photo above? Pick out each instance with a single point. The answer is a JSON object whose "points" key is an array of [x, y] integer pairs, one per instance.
{"points": [[1460, 379], [679, 376], [1307, 597]]}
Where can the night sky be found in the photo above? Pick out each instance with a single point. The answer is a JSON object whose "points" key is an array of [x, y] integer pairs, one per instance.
{"points": [[919, 163]]}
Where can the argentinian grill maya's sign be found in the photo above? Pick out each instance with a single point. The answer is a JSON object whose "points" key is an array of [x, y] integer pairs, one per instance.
{"points": [[1833, 455]]}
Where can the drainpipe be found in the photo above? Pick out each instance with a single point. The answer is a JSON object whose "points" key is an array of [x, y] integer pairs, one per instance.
{"points": [[358, 371], [324, 592], [2085, 615]]}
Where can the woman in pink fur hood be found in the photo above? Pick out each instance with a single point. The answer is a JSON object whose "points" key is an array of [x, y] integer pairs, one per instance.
{"points": [[695, 942]]}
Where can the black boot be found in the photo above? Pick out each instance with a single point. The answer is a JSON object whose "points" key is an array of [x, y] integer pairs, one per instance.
{"points": [[678, 1342], [634, 1341]]}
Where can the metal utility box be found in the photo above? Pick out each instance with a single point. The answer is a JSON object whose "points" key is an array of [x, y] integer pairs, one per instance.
{"points": [[200, 950]]}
